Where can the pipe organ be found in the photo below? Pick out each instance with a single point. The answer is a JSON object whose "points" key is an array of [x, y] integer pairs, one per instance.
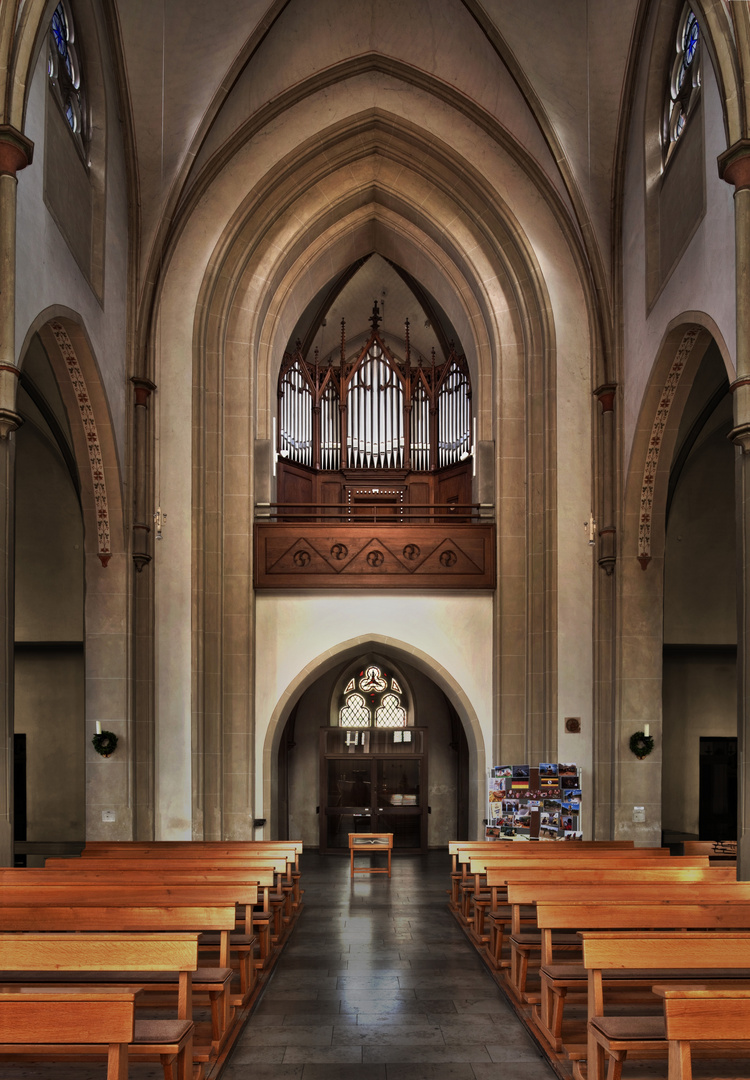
{"points": [[374, 414]]}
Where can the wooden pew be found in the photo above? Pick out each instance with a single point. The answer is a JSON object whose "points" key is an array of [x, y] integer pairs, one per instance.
{"points": [[540, 853], [526, 894], [478, 894], [259, 924], [125, 920], [288, 849], [462, 850], [17, 891], [649, 954], [33, 1023], [276, 900], [505, 918], [699, 1014], [168, 1041], [665, 910]]}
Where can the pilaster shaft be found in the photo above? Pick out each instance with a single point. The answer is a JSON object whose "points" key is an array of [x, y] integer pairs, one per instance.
{"points": [[734, 167], [15, 153]]}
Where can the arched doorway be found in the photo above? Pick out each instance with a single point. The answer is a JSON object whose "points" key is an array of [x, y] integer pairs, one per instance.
{"points": [[699, 682], [304, 808], [49, 676]]}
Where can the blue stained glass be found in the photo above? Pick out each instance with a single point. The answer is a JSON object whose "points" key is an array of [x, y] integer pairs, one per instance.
{"points": [[60, 32], [691, 39]]}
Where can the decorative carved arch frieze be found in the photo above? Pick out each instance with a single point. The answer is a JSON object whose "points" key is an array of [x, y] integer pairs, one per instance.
{"points": [[656, 440]]}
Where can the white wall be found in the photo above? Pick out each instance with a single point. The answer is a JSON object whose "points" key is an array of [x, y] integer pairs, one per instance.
{"points": [[297, 634]]}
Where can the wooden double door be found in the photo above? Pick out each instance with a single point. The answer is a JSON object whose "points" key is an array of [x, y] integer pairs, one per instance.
{"points": [[376, 784]]}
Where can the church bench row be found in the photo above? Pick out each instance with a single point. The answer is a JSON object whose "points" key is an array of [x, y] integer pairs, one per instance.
{"points": [[277, 896], [576, 852], [101, 893], [461, 852], [528, 940], [514, 893], [709, 898], [125, 919], [476, 892], [167, 1041], [668, 908], [288, 849], [17, 893]]}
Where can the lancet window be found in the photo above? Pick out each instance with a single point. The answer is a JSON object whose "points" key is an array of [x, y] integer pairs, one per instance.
{"points": [[64, 70], [377, 411], [372, 697], [684, 79]]}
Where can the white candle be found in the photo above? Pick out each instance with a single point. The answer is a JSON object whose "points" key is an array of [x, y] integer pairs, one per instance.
{"points": [[98, 727], [646, 729]]}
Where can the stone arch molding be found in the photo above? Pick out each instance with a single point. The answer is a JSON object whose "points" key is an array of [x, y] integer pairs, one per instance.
{"points": [[106, 560], [641, 617], [446, 226], [345, 651]]}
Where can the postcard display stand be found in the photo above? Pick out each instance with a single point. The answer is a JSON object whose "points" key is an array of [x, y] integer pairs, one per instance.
{"points": [[534, 803]]}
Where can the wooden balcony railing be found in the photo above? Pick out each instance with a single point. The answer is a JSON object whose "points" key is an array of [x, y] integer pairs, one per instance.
{"points": [[374, 545]]}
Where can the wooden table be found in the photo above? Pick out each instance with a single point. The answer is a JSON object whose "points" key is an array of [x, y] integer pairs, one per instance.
{"points": [[370, 842]]}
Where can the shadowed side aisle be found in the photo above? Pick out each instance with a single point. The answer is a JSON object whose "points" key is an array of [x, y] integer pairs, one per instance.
{"points": [[378, 983]]}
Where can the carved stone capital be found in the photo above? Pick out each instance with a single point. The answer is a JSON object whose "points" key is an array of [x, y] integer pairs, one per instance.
{"points": [[16, 151], [605, 395], [740, 436], [144, 388], [734, 165], [9, 421]]}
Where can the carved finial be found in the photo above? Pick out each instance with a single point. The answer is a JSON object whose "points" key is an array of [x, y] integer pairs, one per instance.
{"points": [[408, 343], [375, 317]]}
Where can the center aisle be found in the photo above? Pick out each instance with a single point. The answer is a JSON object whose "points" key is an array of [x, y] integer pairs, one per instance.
{"points": [[379, 983]]}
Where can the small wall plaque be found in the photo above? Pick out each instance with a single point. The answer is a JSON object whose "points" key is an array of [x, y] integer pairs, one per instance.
{"points": [[573, 725]]}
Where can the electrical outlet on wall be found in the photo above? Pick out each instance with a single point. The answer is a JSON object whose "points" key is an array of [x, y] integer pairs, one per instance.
{"points": [[639, 813], [109, 815]]}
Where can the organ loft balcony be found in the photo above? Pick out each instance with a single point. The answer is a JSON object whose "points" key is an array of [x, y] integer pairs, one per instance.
{"points": [[374, 473]]}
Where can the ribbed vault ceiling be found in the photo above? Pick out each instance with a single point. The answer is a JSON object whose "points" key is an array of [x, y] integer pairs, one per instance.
{"points": [[551, 74]]}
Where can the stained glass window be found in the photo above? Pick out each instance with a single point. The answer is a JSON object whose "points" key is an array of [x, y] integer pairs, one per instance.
{"points": [[355, 713], [64, 70], [391, 713], [371, 696], [684, 80]]}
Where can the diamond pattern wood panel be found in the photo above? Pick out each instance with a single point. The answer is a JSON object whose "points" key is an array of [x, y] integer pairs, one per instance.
{"points": [[367, 556]]}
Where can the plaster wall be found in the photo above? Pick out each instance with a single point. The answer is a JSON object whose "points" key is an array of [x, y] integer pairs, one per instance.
{"points": [[48, 277], [700, 698], [298, 635], [49, 696], [702, 281]]}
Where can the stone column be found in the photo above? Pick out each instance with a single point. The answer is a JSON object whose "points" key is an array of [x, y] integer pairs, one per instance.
{"points": [[734, 167], [143, 619], [15, 153], [604, 586]]}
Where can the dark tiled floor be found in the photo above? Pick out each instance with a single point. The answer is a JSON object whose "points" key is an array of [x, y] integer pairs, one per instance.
{"points": [[379, 983]]}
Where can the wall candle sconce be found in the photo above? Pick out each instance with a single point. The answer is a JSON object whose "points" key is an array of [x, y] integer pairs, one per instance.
{"points": [[159, 519], [589, 527]]}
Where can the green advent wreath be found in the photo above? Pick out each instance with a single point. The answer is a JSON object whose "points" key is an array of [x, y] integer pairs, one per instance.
{"points": [[105, 743], [641, 744]]}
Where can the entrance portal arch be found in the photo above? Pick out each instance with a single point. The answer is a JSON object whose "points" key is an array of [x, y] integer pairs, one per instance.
{"points": [[399, 652]]}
